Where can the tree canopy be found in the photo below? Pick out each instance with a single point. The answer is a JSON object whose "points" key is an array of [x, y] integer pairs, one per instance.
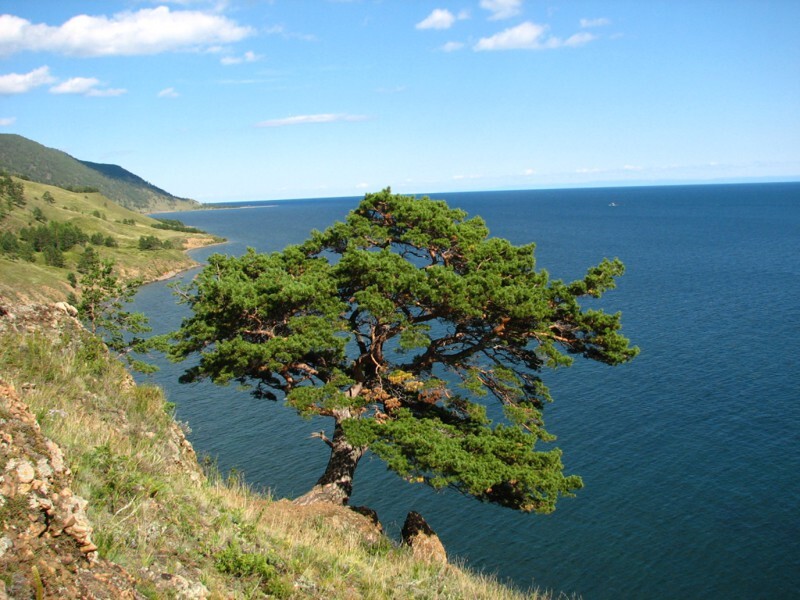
{"points": [[403, 324]]}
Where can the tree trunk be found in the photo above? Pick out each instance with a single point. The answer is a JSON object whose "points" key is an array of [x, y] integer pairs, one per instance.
{"points": [[336, 484]]}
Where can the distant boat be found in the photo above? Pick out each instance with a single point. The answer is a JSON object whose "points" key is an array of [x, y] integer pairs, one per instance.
{"points": [[613, 204]]}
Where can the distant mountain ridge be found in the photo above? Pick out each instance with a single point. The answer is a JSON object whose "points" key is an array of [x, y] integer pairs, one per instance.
{"points": [[31, 160]]}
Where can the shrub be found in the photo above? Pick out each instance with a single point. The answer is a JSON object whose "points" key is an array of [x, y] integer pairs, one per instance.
{"points": [[54, 257], [150, 242]]}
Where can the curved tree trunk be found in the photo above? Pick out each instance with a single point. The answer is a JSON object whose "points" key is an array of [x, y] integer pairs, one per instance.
{"points": [[336, 484]]}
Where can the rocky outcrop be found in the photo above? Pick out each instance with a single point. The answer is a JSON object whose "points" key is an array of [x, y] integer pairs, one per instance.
{"points": [[46, 545], [47, 318], [423, 541]]}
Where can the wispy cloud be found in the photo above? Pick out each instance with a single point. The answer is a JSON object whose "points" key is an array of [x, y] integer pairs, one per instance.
{"points": [[147, 31], [247, 57], [290, 35], [530, 36], [309, 119], [6, 121], [452, 46], [502, 9], [21, 83], [107, 92], [85, 86], [440, 18], [589, 23], [169, 92]]}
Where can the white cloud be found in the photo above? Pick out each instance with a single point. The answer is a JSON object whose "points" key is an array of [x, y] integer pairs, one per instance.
{"points": [[147, 31], [288, 35], [169, 92], [526, 35], [86, 86], [502, 9], [107, 93], [601, 22], [573, 41], [76, 85], [306, 119], [452, 46], [16, 83], [440, 18], [530, 36], [247, 57], [5, 122]]}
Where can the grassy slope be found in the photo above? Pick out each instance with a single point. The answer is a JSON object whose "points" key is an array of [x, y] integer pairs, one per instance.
{"points": [[21, 156], [155, 515], [21, 280]]}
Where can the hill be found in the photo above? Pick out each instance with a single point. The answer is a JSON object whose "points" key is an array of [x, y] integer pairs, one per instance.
{"points": [[140, 246], [35, 162]]}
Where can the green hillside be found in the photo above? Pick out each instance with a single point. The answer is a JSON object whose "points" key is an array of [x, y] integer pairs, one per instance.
{"points": [[139, 245], [35, 162]]}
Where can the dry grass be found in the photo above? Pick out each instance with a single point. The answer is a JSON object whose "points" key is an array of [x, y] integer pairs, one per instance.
{"points": [[154, 513]]}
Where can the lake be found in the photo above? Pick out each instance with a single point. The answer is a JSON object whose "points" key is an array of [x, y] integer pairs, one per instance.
{"points": [[690, 454]]}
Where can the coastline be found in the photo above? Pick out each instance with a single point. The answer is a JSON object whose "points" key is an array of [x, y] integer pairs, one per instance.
{"points": [[172, 273]]}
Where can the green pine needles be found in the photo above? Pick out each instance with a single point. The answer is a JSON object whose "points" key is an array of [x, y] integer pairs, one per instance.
{"points": [[103, 296], [403, 324]]}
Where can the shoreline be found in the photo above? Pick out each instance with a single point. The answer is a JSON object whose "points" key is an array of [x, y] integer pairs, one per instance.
{"points": [[207, 207], [171, 274]]}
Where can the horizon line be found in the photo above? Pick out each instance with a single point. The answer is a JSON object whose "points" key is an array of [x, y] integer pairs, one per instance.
{"points": [[583, 186]]}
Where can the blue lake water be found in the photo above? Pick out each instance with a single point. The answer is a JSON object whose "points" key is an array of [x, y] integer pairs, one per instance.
{"points": [[690, 454]]}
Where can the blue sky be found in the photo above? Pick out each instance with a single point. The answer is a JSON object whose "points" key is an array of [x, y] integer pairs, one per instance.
{"points": [[265, 99]]}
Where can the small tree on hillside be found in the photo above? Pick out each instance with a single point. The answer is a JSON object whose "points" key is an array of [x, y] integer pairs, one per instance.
{"points": [[87, 260], [12, 191], [103, 296], [400, 325]]}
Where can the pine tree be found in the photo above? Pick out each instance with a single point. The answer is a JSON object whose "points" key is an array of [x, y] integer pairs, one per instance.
{"points": [[103, 296], [403, 324]]}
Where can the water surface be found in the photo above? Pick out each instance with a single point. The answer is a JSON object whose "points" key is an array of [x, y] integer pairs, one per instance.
{"points": [[690, 454]]}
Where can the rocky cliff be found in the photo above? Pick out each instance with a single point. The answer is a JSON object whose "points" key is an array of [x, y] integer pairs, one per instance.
{"points": [[46, 545]]}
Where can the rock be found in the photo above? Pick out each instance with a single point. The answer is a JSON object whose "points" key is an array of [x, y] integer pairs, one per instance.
{"points": [[56, 456], [66, 308], [370, 513], [25, 472], [423, 541], [175, 585], [5, 545]]}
